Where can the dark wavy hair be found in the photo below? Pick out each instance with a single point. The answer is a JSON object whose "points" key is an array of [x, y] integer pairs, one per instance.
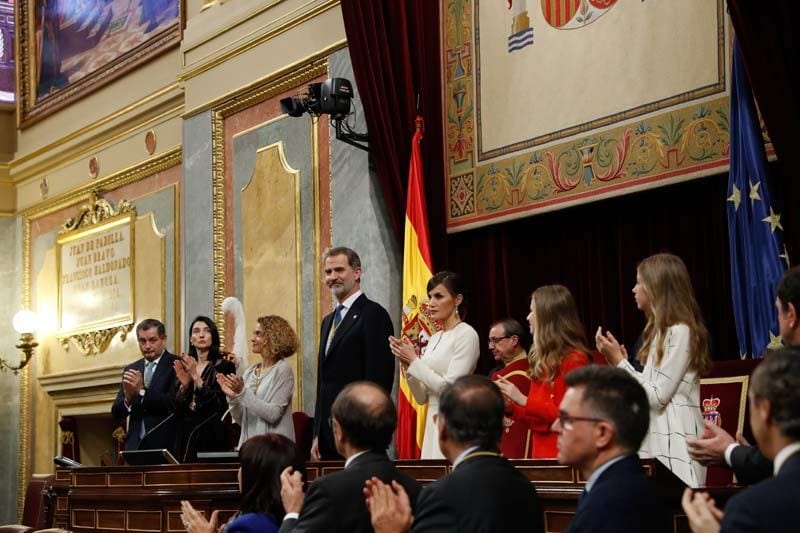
{"points": [[214, 350], [262, 459]]}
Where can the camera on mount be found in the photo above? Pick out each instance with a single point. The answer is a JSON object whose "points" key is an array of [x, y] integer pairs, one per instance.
{"points": [[331, 97]]}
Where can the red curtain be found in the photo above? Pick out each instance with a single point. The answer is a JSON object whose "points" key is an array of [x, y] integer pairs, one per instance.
{"points": [[395, 51], [771, 46], [593, 249]]}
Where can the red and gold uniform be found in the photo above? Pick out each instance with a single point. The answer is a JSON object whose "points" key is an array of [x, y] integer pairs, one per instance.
{"points": [[515, 443]]}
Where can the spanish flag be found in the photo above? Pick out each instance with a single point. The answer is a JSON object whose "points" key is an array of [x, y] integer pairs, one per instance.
{"points": [[417, 325]]}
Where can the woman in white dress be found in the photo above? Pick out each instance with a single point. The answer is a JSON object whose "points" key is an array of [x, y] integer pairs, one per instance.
{"points": [[451, 353], [260, 401], [674, 354]]}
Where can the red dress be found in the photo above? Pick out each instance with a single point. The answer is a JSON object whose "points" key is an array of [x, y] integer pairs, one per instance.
{"points": [[541, 409], [515, 443]]}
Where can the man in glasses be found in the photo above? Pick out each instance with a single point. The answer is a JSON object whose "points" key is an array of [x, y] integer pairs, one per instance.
{"points": [[505, 342], [603, 419]]}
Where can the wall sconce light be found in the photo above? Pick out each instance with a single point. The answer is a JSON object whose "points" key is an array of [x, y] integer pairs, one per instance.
{"points": [[25, 323]]}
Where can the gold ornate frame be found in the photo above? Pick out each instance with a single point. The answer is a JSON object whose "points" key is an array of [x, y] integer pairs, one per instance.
{"points": [[85, 193], [97, 217], [30, 111], [745, 381]]}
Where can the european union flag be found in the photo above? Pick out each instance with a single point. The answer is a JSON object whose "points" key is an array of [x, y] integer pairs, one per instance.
{"points": [[758, 256]]}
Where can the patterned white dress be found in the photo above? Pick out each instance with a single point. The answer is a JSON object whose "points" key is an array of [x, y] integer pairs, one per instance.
{"points": [[673, 391], [449, 355]]}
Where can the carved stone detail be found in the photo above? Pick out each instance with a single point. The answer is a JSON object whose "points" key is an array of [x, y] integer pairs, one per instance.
{"points": [[96, 211], [96, 342]]}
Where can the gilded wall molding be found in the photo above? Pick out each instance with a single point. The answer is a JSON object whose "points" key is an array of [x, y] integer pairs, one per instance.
{"points": [[233, 104], [287, 73], [169, 159], [23, 177], [253, 41], [97, 124]]}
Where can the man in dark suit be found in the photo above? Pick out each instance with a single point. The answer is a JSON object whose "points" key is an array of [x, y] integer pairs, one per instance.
{"points": [[147, 390], [364, 419], [484, 493], [770, 506], [717, 446], [602, 421], [353, 344]]}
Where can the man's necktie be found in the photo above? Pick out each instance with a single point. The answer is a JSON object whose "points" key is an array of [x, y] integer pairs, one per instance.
{"points": [[337, 316], [149, 370], [337, 319]]}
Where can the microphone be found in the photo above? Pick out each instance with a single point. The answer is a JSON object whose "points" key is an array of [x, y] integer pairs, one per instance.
{"points": [[150, 432], [191, 435], [60, 460]]}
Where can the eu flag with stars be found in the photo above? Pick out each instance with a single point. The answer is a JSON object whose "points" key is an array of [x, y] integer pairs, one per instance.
{"points": [[758, 257]]}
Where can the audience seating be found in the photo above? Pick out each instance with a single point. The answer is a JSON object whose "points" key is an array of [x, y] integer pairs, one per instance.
{"points": [[37, 514]]}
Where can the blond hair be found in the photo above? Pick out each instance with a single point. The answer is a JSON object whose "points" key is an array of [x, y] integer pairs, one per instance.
{"points": [[558, 331], [666, 282], [280, 339]]}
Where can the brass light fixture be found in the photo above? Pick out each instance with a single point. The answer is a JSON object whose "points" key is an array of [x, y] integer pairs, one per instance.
{"points": [[25, 323]]}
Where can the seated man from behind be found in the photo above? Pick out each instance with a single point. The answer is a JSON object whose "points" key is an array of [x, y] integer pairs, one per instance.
{"points": [[770, 506], [603, 419], [484, 493], [363, 421]]}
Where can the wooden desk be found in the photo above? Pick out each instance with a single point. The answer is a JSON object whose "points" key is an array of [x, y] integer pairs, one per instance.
{"points": [[145, 499]]}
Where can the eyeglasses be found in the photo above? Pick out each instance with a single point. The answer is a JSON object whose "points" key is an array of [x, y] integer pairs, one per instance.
{"points": [[567, 422], [496, 340]]}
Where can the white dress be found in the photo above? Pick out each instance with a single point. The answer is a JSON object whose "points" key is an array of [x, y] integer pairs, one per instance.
{"points": [[449, 355], [673, 391]]}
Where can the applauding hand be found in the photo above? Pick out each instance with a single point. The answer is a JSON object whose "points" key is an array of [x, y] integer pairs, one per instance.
{"points": [[510, 391], [403, 350], [232, 385], [389, 506], [607, 345]]}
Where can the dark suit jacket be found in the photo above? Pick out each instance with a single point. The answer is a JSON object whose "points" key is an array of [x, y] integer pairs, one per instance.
{"points": [[750, 465], [770, 506], [622, 499], [336, 502], [359, 351], [153, 408], [484, 494]]}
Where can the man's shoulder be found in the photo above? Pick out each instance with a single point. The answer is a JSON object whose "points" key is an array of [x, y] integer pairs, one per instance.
{"points": [[368, 305]]}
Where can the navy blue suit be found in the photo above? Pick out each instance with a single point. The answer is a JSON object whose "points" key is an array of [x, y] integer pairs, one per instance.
{"points": [[621, 499], [359, 351], [152, 408], [770, 506]]}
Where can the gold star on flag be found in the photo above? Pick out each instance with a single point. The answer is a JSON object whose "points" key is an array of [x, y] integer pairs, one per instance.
{"points": [[785, 256], [735, 197], [754, 191], [775, 342], [773, 219]]}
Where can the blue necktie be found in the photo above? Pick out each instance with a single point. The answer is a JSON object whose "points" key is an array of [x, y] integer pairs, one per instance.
{"points": [[337, 317], [149, 370]]}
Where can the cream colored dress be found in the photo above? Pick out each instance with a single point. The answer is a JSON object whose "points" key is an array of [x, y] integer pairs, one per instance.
{"points": [[673, 391], [449, 355]]}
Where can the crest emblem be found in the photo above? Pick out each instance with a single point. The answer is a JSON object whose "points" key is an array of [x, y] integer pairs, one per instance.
{"points": [[571, 14], [710, 412], [418, 326]]}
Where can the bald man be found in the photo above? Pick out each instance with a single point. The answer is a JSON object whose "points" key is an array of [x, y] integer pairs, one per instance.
{"points": [[363, 421]]}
